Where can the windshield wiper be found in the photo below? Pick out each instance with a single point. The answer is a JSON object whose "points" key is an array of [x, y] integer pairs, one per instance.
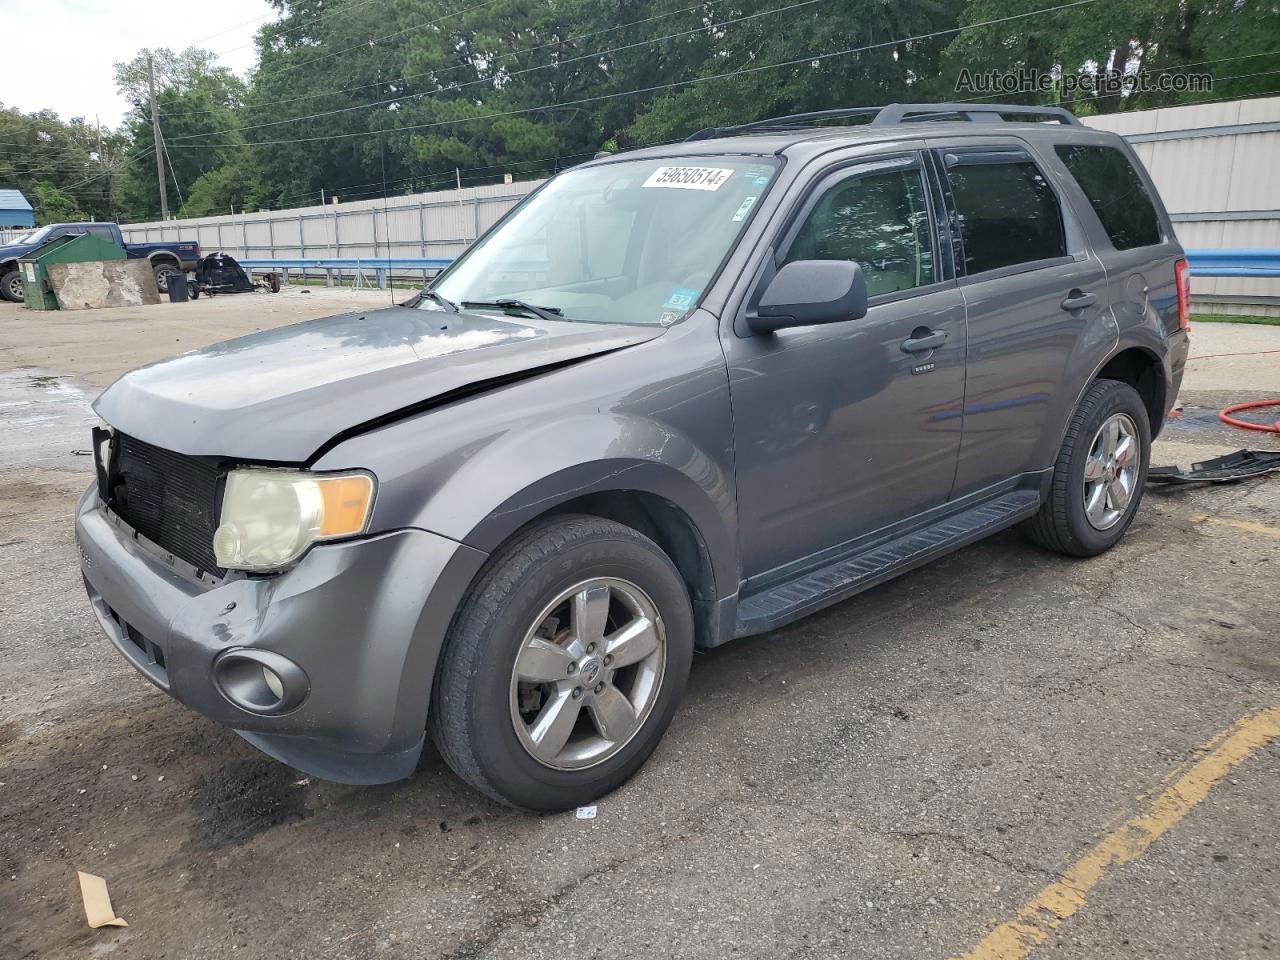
{"points": [[507, 303], [442, 300]]}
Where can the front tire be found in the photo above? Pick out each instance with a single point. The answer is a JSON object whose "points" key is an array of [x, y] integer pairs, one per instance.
{"points": [[11, 287], [1099, 476], [564, 664]]}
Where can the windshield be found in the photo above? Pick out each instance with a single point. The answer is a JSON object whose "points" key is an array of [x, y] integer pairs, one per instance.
{"points": [[35, 237], [630, 242]]}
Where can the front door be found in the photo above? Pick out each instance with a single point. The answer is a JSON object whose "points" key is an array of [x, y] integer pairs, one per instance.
{"points": [[843, 429]]}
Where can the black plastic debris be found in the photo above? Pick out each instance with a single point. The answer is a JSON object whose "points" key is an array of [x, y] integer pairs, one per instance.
{"points": [[1240, 465]]}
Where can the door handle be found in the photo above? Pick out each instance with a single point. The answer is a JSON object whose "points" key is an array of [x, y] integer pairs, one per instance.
{"points": [[1077, 300], [923, 339]]}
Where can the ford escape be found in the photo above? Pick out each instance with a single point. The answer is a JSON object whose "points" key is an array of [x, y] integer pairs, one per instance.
{"points": [[676, 396]]}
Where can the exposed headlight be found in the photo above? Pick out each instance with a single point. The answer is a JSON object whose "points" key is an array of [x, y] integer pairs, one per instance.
{"points": [[103, 438], [269, 517]]}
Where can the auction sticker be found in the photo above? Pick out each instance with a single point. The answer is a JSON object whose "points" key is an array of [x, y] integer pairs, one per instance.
{"points": [[688, 178]]}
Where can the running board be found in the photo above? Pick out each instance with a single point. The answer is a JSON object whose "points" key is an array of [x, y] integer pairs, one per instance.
{"points": [[838, 581]]}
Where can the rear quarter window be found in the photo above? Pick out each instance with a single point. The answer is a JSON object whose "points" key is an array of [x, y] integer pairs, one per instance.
{"points": [[1116, 193]]}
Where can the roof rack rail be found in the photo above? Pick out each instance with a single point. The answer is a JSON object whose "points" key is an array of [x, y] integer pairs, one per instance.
{"points": [[976, 113], [790, 120], [895, 113]]}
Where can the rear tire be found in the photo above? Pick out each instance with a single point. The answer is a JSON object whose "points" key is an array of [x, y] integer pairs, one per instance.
{"points": [[1099, 475], [163, 272], [520, 657], [11, 287]]}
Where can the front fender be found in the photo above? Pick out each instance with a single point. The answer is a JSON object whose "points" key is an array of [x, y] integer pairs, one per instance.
{"points": [[607, 454], [653, 419]]}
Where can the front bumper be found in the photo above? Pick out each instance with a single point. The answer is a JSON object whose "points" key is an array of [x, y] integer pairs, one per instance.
{"points": [[363, 620]]}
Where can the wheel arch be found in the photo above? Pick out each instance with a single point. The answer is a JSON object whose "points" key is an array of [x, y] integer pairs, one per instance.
{"points": [[672, 529], [1143, 370]]}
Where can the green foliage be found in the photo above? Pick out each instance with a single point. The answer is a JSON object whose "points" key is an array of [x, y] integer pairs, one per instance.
{"points": [[55, 163], [55, 206], [198, 105]]}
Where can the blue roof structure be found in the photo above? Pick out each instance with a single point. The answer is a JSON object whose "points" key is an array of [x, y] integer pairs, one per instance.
{"points": [[13, 200], [15, 211]]}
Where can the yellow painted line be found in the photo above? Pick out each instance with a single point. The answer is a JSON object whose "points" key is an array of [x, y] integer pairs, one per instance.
{"points": [[1060, 900], [1261, 528]]}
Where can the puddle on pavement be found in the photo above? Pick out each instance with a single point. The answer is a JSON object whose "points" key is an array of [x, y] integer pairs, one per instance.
{"points": [[44, 420], [1201, 425]]}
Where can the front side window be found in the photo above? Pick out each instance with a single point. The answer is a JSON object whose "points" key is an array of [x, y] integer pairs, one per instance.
{"points": [[630, 242], [1116, 193], [879, 221], [1007, 212]]}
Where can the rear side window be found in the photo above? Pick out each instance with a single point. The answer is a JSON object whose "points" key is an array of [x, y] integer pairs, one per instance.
{"points": [[1008, 214], [879, 221], [1116, 193]]}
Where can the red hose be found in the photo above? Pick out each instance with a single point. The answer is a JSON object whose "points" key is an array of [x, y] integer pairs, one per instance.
{"points": [[1224, 416]]}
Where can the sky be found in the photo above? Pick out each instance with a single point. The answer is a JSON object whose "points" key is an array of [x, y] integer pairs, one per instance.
{"points": [[69, 67]]}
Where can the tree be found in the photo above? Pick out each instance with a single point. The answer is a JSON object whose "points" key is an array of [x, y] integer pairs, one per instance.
{"points": [[197, 105], [1152, 37], [58, 165]]}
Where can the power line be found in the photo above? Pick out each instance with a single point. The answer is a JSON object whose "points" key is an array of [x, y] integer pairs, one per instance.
{"points": [[515, 73], [812, 59]]}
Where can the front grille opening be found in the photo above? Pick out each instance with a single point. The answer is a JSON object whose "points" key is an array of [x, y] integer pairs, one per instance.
{"points": [[150, 656], [169, 498]]}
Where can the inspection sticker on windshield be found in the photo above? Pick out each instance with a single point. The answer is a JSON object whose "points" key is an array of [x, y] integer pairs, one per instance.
{"points": [[681, 298], [743, 210], [688, 178]]}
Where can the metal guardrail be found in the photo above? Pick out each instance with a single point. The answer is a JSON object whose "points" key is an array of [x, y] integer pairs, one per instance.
{"points": [[350, 263], [1242, 262], [381, 267]]}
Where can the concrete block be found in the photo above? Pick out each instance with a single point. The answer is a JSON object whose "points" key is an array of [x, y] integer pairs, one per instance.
{"points": [[103, 283]]}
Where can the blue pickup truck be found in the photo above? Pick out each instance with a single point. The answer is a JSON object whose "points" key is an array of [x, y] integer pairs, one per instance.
{"points": [[167, 258]]}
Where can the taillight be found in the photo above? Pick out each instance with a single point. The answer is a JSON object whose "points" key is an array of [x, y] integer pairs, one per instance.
{"points": [[1182, 275]]}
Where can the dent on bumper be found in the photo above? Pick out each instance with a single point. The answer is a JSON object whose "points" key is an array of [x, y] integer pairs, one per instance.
{"points": [[364, 620]]}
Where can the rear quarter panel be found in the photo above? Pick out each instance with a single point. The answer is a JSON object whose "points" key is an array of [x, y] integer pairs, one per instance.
{"points": [[1141, 281]]}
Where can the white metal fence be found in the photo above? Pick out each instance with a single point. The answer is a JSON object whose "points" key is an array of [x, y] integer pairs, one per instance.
{"points": [[439, 224]]}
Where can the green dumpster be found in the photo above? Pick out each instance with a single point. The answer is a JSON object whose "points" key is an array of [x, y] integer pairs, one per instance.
{"points": [[37, 290]]}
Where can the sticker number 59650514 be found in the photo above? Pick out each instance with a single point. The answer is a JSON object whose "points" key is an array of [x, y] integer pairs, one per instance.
{"points": [[689, 178]]}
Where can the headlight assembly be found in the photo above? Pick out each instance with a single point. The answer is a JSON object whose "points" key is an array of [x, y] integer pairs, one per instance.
{"points": [[270, 517]]}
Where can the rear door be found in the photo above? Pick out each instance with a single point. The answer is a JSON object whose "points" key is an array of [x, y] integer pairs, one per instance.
{"points": [[1034, 293], [843, 429]]}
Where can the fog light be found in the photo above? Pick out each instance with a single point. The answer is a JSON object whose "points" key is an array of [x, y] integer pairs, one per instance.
{"points": [[274, 683], [260, 681]]}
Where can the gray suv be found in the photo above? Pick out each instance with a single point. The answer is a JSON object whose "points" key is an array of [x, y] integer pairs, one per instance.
{"points": [[677, 396]]}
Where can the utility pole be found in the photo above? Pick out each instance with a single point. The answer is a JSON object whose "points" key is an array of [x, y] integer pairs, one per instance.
{"points": [[155, 133]]}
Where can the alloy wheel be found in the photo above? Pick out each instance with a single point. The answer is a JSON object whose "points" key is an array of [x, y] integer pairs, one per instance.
{"points": [[1111, 471], [588, 673]]}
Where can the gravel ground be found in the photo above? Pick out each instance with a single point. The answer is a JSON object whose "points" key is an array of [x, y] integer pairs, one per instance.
{"points": [[893, 777]]}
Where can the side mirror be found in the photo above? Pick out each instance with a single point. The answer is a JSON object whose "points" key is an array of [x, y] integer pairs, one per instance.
{"points": [[808, 292]]}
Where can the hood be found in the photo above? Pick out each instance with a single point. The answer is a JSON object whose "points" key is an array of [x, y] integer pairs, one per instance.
{"points": [[281, 394]]}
